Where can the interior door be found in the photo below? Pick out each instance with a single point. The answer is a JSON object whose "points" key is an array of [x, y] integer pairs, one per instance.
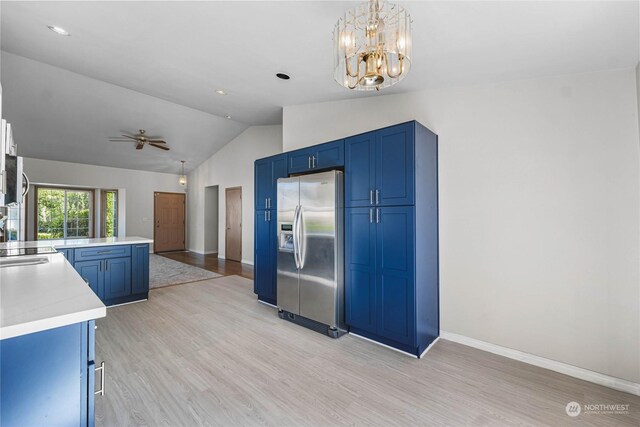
{"points": [[233, 235], [169, 219]]}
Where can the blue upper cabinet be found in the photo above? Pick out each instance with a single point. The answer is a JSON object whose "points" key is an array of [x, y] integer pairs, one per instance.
{"points": [[380, 167], [318, 157], [395, 165], [360, 178], [266, 174]]}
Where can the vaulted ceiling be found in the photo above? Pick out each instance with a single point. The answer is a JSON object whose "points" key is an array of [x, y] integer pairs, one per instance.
{"points": [[157, 65]]}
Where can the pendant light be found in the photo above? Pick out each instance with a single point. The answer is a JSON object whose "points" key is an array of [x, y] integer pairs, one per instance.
{"points": [[183, 178]]}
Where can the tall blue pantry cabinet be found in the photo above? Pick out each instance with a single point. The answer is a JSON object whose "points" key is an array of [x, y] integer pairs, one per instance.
{"points": [[391, 241], [266, 174]]}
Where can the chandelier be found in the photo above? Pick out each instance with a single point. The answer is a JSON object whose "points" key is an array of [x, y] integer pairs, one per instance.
{"points": [[372, 46]]}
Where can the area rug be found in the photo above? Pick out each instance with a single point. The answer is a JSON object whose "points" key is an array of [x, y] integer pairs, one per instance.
{"points": [[166, 272]]}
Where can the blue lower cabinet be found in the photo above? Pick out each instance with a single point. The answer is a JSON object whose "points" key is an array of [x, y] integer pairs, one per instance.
{"points": [[265, 256], [92, 273], [46, 377], [116, 280], [68, 254], [140, 270], [380, 275], [360, 269], [395, 285]]}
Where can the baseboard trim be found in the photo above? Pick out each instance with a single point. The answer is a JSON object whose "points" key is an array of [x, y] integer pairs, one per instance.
{"points": [[210, 252], [384, 345], [429, 347], [542, 362], [246, 261]]}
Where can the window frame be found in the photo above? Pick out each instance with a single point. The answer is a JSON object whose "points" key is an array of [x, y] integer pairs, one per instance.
{"points": [[103, 211], [92, 227]]}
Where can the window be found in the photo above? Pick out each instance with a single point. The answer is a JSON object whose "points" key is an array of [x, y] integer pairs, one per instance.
{"points": [[109, 227], [63, 213]]}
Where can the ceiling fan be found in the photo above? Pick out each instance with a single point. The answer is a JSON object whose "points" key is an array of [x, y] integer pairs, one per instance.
{"points": [[141, 139]]}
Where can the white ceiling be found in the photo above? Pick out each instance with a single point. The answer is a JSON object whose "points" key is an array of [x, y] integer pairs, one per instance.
{"points": [[183, 51]]}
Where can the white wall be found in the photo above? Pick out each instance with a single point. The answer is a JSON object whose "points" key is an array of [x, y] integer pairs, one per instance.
{"points": [[232, 166], [539, 209], [211, 219], [136, 188]]}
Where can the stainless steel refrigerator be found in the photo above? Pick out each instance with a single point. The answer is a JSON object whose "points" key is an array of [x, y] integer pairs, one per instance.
{"points": [[310, 276]]}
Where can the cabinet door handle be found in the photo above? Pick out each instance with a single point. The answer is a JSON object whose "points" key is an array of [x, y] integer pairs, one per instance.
{"points": [[377, 197], [265, 218], [370, 215], [309, 162], [100, 266], [314, 161], [370, 197], [269, 202], [102, 370], [377, 216]]}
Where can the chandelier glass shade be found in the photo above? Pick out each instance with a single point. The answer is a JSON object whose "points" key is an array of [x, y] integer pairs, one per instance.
{"points": [[372, 46]]}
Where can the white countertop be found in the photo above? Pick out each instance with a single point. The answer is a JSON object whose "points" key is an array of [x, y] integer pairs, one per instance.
{"points": [[77, 243], [35, 298]]}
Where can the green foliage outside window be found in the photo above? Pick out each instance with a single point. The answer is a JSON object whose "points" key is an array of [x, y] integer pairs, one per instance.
{"points": [[63, 213]]}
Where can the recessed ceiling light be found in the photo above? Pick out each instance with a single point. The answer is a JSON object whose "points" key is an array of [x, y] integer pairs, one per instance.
{"points": [[228, 116], [283, 76], [58, 30], [221, 92]]}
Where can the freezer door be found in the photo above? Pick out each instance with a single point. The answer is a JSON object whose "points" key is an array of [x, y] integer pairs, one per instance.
{"points": [[287, 272], [318, 287]]}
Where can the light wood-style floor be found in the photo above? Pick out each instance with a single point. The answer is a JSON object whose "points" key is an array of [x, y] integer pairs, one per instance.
{"points": [[211, 262], [207, 353]]}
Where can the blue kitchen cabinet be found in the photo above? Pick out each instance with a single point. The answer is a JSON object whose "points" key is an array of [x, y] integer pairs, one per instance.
{"points": [[140, 270], [402, 220], [380, 167], [117, 274], [360, 170], [265, 256], [360, 269], [395, 162], [91, 272], [329, 155], [117, 278], [68, 254], [395, 284], [266, 174], [47, 378]]}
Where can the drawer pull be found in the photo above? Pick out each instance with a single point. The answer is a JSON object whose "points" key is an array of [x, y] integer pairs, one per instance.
{"points": [[101, 368], [104, 252]]}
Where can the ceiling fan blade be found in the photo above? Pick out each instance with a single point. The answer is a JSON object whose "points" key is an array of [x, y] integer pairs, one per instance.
{"points": [[153, 144], [157, 141], [130, 137], [139, 146]]}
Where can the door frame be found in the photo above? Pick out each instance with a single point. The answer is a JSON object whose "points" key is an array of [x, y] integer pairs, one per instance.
{"points": [[184, 226], [226, 220]]}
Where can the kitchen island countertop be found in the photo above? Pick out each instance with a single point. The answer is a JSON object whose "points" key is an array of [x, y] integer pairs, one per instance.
{"points": [[45, 295], [76, 243]]}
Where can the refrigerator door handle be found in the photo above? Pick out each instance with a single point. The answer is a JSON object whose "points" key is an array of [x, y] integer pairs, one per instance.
{"points": [[302, 250], [296, 244]]}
